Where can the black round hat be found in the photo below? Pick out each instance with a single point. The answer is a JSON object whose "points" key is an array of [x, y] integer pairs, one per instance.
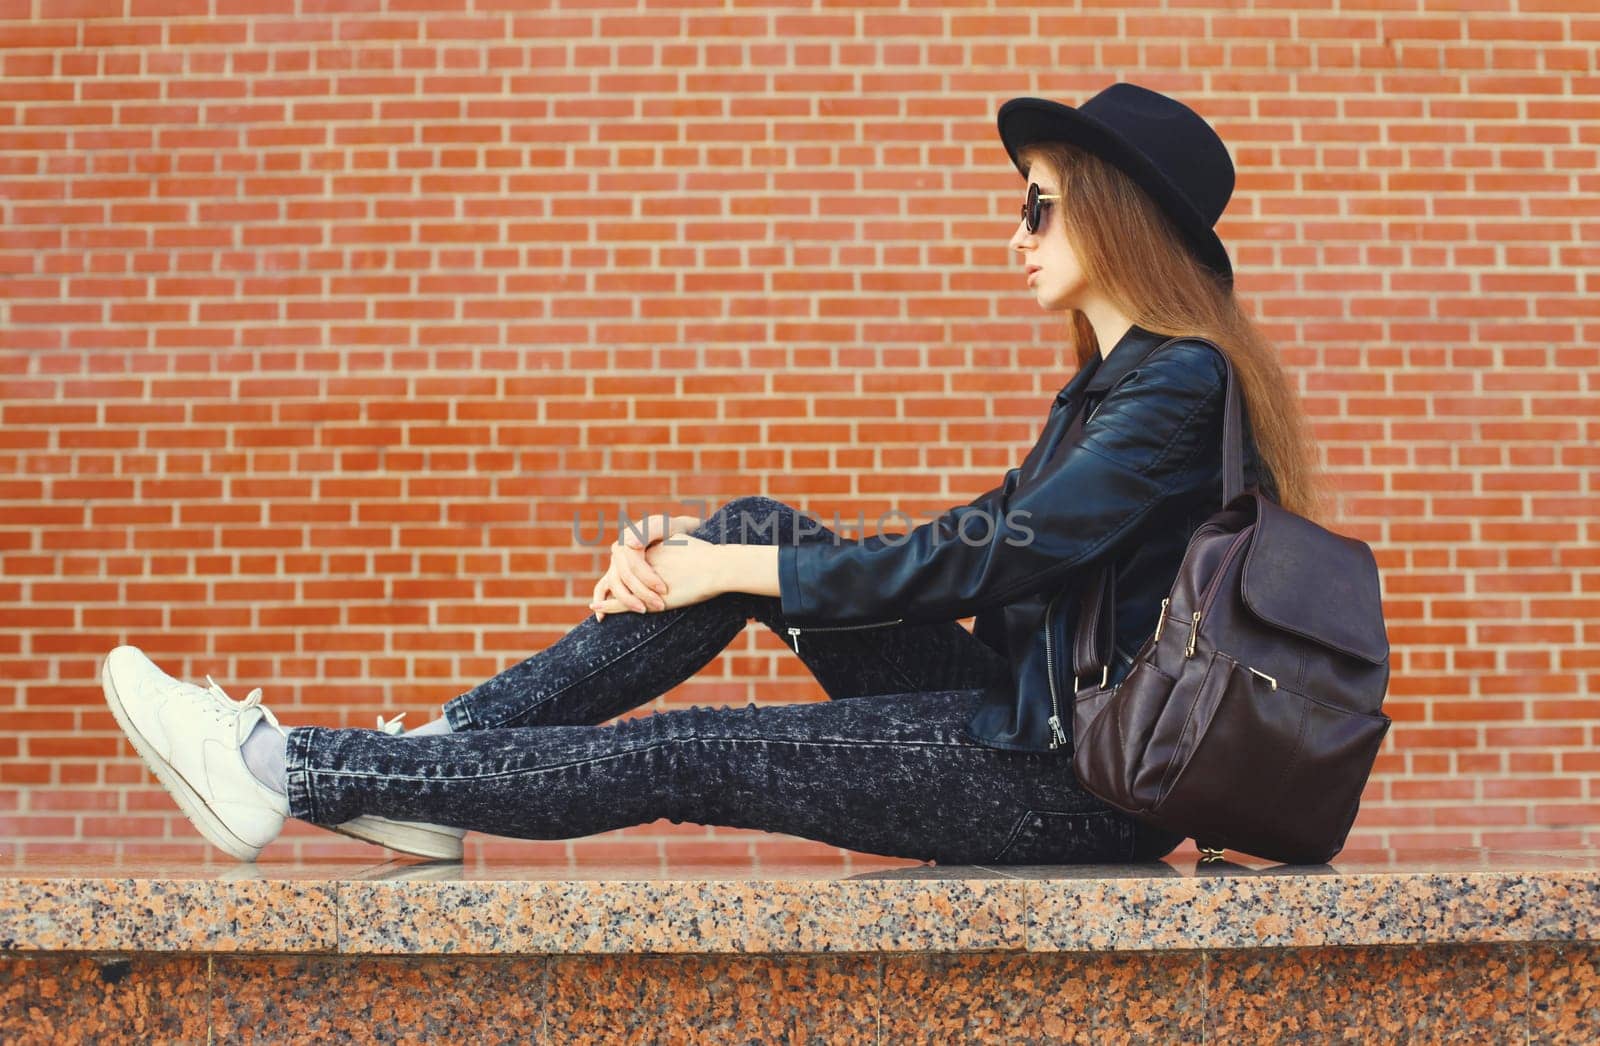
{"points": [[1167, 148]]}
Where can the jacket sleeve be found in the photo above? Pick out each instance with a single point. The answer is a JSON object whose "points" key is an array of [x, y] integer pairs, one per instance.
{"points": [[1007, 485], [1158, 432]]}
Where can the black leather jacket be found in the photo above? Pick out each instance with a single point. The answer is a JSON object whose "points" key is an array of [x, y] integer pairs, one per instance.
{"points": [[1144, 472]]}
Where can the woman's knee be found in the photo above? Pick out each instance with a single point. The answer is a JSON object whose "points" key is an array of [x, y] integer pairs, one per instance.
{"points": [[754, 519]]}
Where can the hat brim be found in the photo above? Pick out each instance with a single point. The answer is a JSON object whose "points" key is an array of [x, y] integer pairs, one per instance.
{"points": [[1023, 121]]}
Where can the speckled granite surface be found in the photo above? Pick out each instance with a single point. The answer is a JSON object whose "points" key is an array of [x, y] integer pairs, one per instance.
{"points": [[1459, 946], [395, 908], [1478, 994]]}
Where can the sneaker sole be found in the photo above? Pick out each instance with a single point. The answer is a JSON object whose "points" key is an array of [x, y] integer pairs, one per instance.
{"points": [[190, 802], [417, 840], [394, 870]]}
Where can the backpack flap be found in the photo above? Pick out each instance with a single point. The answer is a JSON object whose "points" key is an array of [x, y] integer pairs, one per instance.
{"points": [[1305, 579]]}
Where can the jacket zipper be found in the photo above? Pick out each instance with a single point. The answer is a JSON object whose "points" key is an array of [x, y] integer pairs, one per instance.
{"points": [[1058, 736], [795, 632]]}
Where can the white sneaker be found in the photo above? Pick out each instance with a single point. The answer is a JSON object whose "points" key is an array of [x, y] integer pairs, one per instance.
{"points": [[190, 737], [437, 841]]}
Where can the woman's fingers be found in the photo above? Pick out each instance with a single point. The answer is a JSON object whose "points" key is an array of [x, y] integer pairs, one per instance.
{"points": [[637, 566], [602, 592], [614, 594], [638, 593], [617, 588], [634, 568], [646, 534], [631, 581]]}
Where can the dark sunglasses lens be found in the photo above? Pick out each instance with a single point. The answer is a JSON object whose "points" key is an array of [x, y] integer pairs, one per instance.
{"points": [[1033, 208]]}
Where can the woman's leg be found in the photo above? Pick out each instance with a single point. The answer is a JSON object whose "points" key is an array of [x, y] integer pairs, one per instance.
{"points": [[885, 774], [601, 669]]}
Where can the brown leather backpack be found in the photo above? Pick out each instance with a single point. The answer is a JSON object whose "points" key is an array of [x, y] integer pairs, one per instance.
{"points": [[1252, 717]]}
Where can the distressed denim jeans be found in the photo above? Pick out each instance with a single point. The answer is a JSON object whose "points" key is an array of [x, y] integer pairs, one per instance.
{"points": [[882, 767]]}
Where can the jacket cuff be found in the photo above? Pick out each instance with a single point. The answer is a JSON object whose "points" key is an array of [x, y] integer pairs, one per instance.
{"points": [[792, 597]]}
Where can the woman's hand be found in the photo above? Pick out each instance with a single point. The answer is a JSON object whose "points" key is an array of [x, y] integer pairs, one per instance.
{"points": [[688, 570], [632, 583]]}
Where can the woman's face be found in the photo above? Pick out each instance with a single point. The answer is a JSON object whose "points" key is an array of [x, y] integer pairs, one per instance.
{"points": [[1059, 284]]}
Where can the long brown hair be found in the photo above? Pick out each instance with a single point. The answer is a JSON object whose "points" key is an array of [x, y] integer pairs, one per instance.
{"points": [[1131, 252]]}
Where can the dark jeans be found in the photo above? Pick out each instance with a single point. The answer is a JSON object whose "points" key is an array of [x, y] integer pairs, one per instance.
{"points": [[882, 768]]}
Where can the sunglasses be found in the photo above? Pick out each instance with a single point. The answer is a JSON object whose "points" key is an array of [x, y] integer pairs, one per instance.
{"points": [[1033, 208]]}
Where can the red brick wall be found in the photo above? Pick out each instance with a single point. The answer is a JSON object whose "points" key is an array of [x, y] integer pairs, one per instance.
{"points": [[318, 328]]}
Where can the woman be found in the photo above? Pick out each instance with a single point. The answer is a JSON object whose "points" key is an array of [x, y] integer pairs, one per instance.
{"points": [[938, 743]]}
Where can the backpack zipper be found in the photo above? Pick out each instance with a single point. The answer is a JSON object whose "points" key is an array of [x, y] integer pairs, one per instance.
{"points": [[795, 632], [1210, 593]]}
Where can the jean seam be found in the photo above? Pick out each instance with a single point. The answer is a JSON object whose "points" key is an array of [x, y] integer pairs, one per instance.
{"points": [[897, 745], [457, 707], [1016, 831], [298, 775], [486, 724], [913, 684], [1034, 811]]}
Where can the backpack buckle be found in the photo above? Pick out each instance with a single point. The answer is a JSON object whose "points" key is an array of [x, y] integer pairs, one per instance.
{"points": [[1105, 677]]}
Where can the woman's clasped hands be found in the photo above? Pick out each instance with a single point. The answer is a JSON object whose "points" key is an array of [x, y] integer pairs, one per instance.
{"points": [[648, 575]]}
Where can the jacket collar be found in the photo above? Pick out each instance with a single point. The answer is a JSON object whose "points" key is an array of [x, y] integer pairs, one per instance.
{"points": [[1099, 374]]}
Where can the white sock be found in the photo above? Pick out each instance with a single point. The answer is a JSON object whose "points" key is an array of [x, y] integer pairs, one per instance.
{"points": [[265, 752], [438, 726]]}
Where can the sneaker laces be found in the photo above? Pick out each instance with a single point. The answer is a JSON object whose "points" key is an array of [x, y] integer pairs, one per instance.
{"points": [[237, 709], [392, 726]]}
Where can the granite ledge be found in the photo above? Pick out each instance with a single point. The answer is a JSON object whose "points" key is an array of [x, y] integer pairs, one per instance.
{"points": [[403, 907]]}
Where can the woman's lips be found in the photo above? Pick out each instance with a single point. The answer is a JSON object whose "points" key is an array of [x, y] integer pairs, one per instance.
{"points": [[1032, 272]]}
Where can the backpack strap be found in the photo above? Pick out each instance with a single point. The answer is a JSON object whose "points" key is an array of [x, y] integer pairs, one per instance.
{"points": [[1092, 647]]}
